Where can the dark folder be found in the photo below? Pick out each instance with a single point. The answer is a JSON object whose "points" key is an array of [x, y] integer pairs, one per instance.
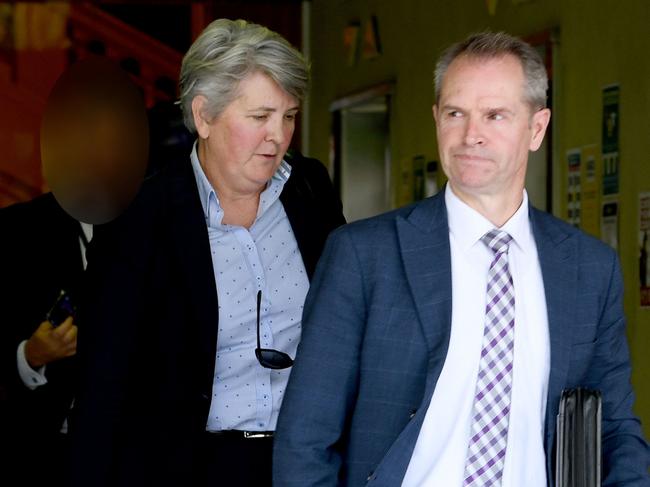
{"points": [[578, 450]]}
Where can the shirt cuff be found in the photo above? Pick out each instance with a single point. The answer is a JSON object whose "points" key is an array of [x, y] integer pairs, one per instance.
{"points": [[30, 377]]}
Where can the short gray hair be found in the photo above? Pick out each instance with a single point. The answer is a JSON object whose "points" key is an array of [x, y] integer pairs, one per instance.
{"points": [[225, 53], [490, 45]]}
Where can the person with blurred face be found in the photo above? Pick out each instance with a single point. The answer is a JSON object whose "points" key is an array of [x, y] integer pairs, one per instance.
{"points": [[438, 338], [196, 292], [42, 253]]}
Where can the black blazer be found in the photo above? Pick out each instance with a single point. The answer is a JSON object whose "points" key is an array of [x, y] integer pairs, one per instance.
{"points": [[40, 254], [149, 351]]}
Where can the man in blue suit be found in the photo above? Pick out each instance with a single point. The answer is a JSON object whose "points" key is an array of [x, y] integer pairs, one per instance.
{"points": [[430, 355]]}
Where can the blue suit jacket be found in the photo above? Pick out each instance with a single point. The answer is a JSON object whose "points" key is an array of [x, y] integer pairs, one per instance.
{"points": [[375, 335]]}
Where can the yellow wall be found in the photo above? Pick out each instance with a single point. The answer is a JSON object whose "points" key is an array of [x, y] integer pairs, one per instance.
{"points": [[599, 42]]}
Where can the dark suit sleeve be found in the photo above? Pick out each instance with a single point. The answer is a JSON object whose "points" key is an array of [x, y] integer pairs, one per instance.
{"points": [[313, 418], [39, 256], [19, 291], [625, 452], [10, 333]]}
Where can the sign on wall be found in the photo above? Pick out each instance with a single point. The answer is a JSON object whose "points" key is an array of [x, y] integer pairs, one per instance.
{"points": [[610, 164], [610, 130], [573, 187], [609, 223], [590, 183]]}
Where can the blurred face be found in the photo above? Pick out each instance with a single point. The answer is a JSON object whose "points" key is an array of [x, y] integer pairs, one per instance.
{"points": [[485, 127], [241, 149], [94, 140]]}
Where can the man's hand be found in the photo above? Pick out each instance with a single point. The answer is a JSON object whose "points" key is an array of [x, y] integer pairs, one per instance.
{"points": [[48, 344]]}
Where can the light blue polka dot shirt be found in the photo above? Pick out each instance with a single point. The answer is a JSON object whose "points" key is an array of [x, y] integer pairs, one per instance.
{"points": [[245, 395]]}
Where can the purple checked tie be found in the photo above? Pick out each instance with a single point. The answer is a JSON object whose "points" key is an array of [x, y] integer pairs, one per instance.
{"points": [[487, 445]]}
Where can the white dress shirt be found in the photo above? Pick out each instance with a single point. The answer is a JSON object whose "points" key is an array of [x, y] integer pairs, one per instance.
{"points": [[441, 449]]}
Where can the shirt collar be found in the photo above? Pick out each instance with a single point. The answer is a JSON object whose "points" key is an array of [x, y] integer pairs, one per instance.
{"points": [[210, 200], [468, 225], [206, 192], [274, 187]]}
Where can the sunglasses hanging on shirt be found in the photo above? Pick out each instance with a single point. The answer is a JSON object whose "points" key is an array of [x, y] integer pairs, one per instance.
{"points": [[267, 357]]}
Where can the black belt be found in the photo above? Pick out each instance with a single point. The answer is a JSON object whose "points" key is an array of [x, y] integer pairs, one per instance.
{"points": [[242, 434]]}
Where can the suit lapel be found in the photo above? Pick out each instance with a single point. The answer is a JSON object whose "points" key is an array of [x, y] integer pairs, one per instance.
{"points": [[191, 244], [557, 257], [302, 218], [424, 246]]}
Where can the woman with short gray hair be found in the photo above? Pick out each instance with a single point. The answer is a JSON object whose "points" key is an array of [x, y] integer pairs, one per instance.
{"points": [[213, 262], [225, 53]]}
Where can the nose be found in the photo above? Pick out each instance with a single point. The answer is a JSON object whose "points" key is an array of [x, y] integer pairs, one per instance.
{"points": [[275, 131], [473, 132]]}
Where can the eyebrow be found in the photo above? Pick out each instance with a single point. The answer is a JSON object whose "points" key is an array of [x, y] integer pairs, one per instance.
{"points": [[450, 107], [270, 109], [500, 109]]}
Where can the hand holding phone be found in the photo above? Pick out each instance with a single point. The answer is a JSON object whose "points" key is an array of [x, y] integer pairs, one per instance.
{"points": [[48, 344], [62, 308]]}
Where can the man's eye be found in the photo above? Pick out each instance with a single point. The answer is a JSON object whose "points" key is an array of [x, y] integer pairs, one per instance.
{"points": [[454, 114], [290, 116], [260, 117], [495, 116]]}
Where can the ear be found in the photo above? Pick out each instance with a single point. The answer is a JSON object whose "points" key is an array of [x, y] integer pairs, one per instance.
{"points": [[198, 113], [538, 126], [434, 110]]}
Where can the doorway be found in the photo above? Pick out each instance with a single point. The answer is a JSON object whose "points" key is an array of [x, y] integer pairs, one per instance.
{"points": [[361, 156]]}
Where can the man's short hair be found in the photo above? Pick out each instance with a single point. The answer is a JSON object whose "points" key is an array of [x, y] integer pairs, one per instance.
{"points": [[490, 45]]}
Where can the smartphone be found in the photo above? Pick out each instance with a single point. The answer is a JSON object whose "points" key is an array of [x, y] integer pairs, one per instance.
{"points": [[62, 308]]}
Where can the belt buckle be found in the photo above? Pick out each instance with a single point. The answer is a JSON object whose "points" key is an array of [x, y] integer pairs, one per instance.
{"points": [[257, 434]]}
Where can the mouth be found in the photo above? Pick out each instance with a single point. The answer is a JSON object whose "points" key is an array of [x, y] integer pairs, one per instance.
{"points": [[470, 158]]}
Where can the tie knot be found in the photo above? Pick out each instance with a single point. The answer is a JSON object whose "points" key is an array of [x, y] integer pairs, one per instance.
{"points": [[497, 240]]}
